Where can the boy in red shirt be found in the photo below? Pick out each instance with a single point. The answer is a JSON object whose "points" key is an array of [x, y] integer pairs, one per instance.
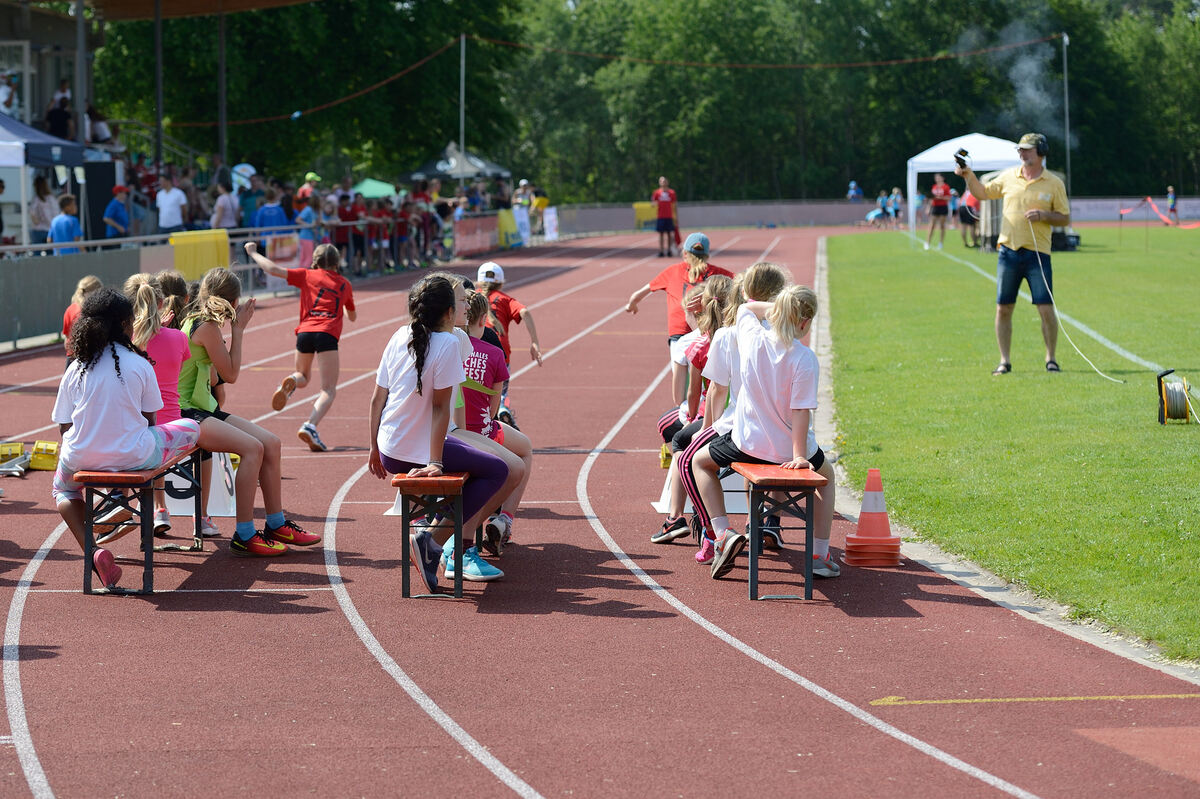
{"points": [[324, 296], [504, 310], [664, 198]]}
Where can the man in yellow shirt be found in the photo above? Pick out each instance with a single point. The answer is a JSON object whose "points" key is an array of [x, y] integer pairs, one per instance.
{"points": [[1034, 200]]}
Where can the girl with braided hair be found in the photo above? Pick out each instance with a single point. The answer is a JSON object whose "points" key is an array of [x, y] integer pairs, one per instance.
{"points": [[410, 415], [106, 406], [259, 449]]}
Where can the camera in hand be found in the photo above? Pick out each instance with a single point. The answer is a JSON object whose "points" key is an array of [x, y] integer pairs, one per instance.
{"points": [[960, 158]]}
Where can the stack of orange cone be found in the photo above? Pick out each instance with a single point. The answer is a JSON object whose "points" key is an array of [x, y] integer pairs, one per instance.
{"points": [[873, 543]]}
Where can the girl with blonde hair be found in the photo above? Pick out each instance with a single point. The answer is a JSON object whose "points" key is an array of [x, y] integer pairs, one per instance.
{"points": [[217, 303], [86, 285]]}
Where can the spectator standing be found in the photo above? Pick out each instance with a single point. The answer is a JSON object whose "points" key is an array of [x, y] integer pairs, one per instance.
{"points": [[8, 95], [250, 199], [65, 227], [116, 216], [664, 199], [62, 92], [172, 204], [502, 197], [309, 223], [42, 210], [271, 214], [968, 217], [524, 194], [1172, 205], [311, 179], [855, 193], [59, 121], [939, 209], [225, 211]]}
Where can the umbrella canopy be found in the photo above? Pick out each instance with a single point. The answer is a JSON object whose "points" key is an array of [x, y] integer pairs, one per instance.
{"points": [[453, 165], [374, 189]]}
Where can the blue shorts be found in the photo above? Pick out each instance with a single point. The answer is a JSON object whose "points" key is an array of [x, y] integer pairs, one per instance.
{"points": [[664, 224], [1013, 266]]}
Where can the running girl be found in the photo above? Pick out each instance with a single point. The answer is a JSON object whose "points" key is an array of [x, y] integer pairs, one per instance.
{"points": [[505, 310], [772, 420], [324, 296], [105, 409], [216, 304], [410, 415]]}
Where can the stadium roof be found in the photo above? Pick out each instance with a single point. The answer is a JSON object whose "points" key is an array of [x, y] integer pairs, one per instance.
{"points": [[119, 10]]}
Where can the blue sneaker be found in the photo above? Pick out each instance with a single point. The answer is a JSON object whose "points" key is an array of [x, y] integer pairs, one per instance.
{"points": [[475, 568], [424, 554]]}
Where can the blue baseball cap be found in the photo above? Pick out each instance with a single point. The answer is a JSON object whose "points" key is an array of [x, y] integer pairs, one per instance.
{"points": [[696, 244]]}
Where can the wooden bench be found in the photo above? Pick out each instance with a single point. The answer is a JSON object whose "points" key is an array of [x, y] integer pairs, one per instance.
{"points": [[797, 487], [428, 496], [120, 489]]}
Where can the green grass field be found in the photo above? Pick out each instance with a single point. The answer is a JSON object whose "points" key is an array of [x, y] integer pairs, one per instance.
{"points": [[1062, 483]]}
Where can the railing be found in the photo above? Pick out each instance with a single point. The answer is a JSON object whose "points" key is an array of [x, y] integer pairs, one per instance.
{"points": [[140, 137]]}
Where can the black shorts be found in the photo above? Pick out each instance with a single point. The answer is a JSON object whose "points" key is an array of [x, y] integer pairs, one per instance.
{"points": [[311, 341], [664, 225], [198, 415], [939, 210], [965, 216], [725, 453]]}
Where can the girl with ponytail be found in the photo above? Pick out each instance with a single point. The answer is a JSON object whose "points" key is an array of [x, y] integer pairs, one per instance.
{"points": [[106, 411], [410, 416], [217, 303]]}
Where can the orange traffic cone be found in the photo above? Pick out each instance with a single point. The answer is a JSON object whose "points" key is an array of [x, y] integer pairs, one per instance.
{"points": [[873, 544]]}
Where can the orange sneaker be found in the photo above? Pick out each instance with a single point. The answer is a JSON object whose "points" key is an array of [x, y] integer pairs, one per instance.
{"points": [[280, 397], [290, 533], [257, 547]]}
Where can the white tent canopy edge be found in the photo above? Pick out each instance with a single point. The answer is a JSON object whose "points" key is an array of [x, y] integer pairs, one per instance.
{"points": [[986, 153]]}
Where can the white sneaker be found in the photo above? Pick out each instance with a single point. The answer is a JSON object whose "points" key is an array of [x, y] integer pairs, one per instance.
{"points": [[208, 529], [926, 245], [162, 521]]}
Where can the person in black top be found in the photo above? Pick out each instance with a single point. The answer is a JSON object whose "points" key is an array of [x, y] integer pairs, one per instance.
{"points": [[59, 121]]}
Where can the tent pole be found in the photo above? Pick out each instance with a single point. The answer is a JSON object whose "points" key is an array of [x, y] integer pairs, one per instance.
{"points": [[25, 204], [80, 74], [1066, 40], [222, 122], [462, 101], [158, 88]]}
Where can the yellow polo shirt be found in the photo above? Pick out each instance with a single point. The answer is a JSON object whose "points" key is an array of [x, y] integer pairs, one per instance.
{"points": [[1046, 193]]}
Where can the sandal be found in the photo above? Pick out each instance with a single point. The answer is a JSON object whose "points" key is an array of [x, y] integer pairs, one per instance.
{"points": [[1002, 369], [1052, 366]]}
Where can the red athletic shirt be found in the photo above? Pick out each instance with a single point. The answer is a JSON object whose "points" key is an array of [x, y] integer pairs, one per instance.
{"points": [[506, 310], [323, 295], [345, 213], [940, 194], [69, 317], [674, 281], [666, 202]]}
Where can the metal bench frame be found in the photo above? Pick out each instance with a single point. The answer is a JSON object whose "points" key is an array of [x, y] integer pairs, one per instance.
{"points": [[427, 496], [798, 487]]}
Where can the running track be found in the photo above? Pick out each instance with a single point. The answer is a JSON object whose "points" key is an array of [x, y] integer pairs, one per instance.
{"points": [[601, 665]]}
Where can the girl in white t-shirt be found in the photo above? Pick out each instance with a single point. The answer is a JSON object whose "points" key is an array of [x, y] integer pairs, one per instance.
{"points": [[761, 282], [106, 406], [772, 420], [410, 415]]}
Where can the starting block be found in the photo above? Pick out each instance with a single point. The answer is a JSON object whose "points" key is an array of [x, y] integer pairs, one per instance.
{"points": [[44, 457], [14, 461], [10, 450]]}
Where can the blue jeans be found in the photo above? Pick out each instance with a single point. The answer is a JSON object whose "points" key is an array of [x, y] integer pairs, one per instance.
{"points": [[1013, 266]]}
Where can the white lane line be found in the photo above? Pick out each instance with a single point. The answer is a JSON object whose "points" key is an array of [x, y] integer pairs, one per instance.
{"points": [[14, 700], [423, 700], [51, 379], [771, 246], [665, 595], [1087, 331], [299, 589]]}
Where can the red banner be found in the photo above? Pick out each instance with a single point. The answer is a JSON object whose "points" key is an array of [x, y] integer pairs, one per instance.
{"points": [[475, 234]]}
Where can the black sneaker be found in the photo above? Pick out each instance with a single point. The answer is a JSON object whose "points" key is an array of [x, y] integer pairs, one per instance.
{"points": [[671, 530], [425, 555], [772, 532]]}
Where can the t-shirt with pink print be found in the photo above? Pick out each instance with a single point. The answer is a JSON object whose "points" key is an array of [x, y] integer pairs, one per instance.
{"points": [[485, 365]]}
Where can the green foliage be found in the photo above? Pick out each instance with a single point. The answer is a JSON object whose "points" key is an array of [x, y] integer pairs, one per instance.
{"points": [[1064, 483], [602, 129]]}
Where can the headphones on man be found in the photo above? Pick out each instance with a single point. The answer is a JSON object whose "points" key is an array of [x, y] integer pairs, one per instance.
{"points": [[1042, 147]]}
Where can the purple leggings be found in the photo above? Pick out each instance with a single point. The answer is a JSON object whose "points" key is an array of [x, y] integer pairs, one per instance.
{"points": [[486, 472]]}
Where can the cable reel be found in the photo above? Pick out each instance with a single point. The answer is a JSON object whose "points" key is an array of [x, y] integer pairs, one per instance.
{"points": [[1174, 402]]}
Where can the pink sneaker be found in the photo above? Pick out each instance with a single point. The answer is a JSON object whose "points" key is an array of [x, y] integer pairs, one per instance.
{"points": [[705, 555], [106, 568]]}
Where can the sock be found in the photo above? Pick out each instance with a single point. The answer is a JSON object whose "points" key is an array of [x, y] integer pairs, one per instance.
{"points": [[821, 548], [508, 515], [244, 531], [719, 525], [275, 520]]}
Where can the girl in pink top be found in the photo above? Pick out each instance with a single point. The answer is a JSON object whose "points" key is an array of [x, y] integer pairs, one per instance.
{"points": [[168, 349]]}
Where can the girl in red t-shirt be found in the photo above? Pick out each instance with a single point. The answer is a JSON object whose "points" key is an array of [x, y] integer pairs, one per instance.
{"points": [[324, 296], [86, 285]]}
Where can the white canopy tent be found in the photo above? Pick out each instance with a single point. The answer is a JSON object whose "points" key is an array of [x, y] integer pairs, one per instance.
{"points": [[985, 153]]}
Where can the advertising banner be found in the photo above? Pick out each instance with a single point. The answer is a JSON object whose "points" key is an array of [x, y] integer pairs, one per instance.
{"points": [[550, 223], [506, 228], [475, 234], [285, 251], [521, 215]]}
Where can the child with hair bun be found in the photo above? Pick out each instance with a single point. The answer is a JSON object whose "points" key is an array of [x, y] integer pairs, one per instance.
{"points": [[105, 409], [772, 421], [324, 297], [410, 415], [217, 303]]}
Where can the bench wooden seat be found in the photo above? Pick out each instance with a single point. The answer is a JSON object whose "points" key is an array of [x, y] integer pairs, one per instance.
{"points": [[797, 487], [428, 496], [109, 488]]}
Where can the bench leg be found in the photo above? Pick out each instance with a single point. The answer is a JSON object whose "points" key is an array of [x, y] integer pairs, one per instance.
{"points": [[808, 543], [756, 503], [458, 547], [405, 520], [197, 536], [89, 538], [146, 516]]}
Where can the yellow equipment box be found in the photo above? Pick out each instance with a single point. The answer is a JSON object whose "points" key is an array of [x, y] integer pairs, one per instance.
{"points": [[10, 450], [45, 456]]}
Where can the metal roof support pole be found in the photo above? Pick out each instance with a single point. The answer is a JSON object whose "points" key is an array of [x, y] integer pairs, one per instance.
{"points": [[158, 87], [222, 120], [80, 74]]}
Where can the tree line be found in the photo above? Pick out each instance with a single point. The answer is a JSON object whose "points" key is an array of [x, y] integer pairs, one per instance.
{"points": [[603, 96]]}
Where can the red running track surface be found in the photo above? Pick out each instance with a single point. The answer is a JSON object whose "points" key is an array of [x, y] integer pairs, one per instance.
{"points": [[602, 665]]}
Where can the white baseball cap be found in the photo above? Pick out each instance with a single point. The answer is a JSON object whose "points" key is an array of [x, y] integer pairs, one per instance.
{"points": [[490, 272]]}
